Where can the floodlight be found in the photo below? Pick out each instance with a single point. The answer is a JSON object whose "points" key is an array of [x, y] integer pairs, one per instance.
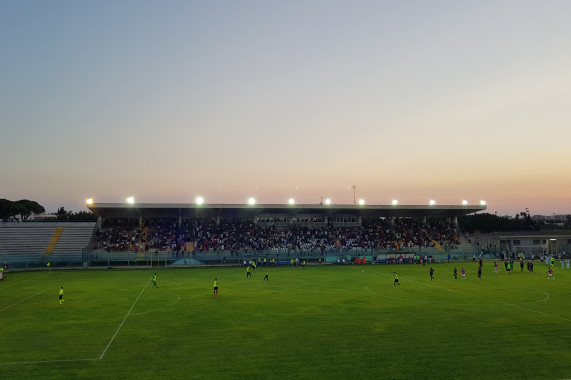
{"points": [[482, 203], [361, 202], [328, 201], [291, 201], [251, 201], [199, 200], [432, 202], [395, 202], [464, 202], [131, 200], [89, 201]]}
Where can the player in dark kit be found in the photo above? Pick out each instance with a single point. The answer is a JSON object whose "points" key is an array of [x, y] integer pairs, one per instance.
{"points": [[431, 274], [480, 272], [455, 273]]}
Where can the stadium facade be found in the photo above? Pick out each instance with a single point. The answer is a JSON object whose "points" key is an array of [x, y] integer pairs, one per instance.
{"points": [[327, 213]]}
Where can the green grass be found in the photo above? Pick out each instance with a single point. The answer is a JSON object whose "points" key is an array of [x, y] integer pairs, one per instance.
{"points": [[327, 322]]}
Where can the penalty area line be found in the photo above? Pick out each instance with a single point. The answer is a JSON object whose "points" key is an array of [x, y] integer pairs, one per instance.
{"points": [[124, 319], [51, 361], [76, 360], [14, 304]]}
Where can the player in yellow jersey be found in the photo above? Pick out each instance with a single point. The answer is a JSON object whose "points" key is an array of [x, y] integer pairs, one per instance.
{"points": [[215, 286], [396, 279], [61, 295]]}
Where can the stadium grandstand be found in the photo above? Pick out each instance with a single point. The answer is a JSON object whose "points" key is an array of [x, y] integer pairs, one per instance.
{"points": [[193, 234]]}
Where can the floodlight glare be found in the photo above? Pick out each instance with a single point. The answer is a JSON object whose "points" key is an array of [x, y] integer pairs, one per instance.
{"points": [[432, 202], [291, 201], [131, 200], [361, 202], [482, 203], [395, 202], [251, 201], [199, 200], [328, 201], [464, 202], [89, 201]]}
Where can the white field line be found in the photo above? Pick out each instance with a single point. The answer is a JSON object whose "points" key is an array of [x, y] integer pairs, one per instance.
{"points": [[124, 319], [160, 308], [14, 304], [81, 360], [21, 282], [50, 361]]}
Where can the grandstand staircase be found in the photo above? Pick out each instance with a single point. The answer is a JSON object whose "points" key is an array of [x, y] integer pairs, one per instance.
{"points": [[53, 241], [438, 246]]}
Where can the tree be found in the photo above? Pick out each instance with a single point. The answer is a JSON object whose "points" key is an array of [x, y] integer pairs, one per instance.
{"points": [[9, 209], [486, 223], [27, 208], [5, 207], [62, 214]]}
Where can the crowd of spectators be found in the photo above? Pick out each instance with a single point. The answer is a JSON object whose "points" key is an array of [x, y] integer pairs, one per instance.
{"points": [[239, 236]]}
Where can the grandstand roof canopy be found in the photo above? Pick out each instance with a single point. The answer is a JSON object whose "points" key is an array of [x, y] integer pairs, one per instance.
{"points": [[165, 210]]}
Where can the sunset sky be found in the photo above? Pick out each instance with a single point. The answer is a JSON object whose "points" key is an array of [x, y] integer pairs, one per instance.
{"points": [[406, 100]]}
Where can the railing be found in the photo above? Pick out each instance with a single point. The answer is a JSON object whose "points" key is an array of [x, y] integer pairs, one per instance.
{"points": [[103, 259]]}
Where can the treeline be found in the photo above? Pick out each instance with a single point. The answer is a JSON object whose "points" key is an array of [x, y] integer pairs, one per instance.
{"points": [[485, 223], [70, 216], [23, 209]]}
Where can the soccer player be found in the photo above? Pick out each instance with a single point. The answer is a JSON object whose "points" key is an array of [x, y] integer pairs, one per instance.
{"points": [[496, 267], [463, 271], [455, 273], [550, 274], [509, 269], [396, 279], [431, 274], [248, 273], [215, 286], [480, 272], [61, 295], [155, 281], [266, 276]]}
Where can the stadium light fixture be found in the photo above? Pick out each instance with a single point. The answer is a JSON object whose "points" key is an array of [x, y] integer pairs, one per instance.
{"points": [[251, 201], [89, 201], [464, 202], [482, 203], [131, 200], [361, 202], [199, 200], [328, 201], [432, 202], [395, 202], [291, 201]]}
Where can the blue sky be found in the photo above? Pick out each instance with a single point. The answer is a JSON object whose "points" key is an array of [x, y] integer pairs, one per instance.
{"points": [[168, 100]]}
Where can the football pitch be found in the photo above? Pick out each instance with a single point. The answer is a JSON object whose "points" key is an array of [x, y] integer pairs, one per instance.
{"points": [[322, 322]]}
